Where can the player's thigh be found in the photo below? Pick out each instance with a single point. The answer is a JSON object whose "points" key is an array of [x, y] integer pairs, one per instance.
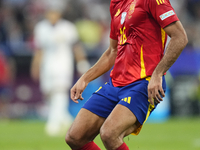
{"points": [[120, 122], [85, 126]]}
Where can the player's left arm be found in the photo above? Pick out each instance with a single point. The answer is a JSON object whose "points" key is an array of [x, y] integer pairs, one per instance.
{"points": [[177, 43]]}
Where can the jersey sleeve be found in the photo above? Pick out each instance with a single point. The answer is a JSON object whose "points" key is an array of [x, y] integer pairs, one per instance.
{"points": [[112, 31], [113, 34], [162, 12]]}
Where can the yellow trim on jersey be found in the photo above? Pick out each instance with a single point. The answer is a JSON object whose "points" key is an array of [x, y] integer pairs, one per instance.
{"points": [[143, 70], [163, 35], [160, 1], [148, 78], [117, 13]]}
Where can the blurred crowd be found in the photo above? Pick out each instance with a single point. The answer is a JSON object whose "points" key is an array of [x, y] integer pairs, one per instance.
{"points": [[91, 17], [189, 13], [18, 18]]}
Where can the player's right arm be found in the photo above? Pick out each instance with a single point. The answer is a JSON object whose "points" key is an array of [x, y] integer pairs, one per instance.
{"points": [[104, 64]]}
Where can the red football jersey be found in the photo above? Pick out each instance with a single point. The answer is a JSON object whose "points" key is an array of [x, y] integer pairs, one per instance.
{"points": [[138, 27]]}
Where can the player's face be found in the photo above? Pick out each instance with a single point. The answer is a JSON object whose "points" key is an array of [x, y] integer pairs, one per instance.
{"points": [[53, 16]]}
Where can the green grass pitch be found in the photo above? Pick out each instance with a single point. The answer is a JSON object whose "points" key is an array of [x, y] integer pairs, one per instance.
{"points": [[175, 134]]}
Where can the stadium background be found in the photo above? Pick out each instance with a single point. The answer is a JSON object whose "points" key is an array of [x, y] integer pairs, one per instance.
{"points": [[21, 102]]}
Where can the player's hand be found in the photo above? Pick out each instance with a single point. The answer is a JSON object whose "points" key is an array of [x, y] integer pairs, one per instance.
{"points": [[155, 90], [77, 90]]}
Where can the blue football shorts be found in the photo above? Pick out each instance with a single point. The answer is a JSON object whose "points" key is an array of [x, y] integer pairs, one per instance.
{"points": [[133, 96]]}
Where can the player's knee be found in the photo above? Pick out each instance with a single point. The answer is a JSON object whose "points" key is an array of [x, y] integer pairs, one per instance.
{"points": [[106, 134], [74, 141], [69, 139]]}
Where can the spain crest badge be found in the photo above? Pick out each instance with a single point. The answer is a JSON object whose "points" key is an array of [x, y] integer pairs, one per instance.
{"points": [[132, 8]]}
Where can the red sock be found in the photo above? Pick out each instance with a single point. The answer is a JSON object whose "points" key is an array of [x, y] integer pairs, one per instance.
{"points": [[90, 146], [123, 147]]}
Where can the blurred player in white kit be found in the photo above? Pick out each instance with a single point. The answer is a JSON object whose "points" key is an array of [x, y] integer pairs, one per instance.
{"points": [[57, 45]]}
